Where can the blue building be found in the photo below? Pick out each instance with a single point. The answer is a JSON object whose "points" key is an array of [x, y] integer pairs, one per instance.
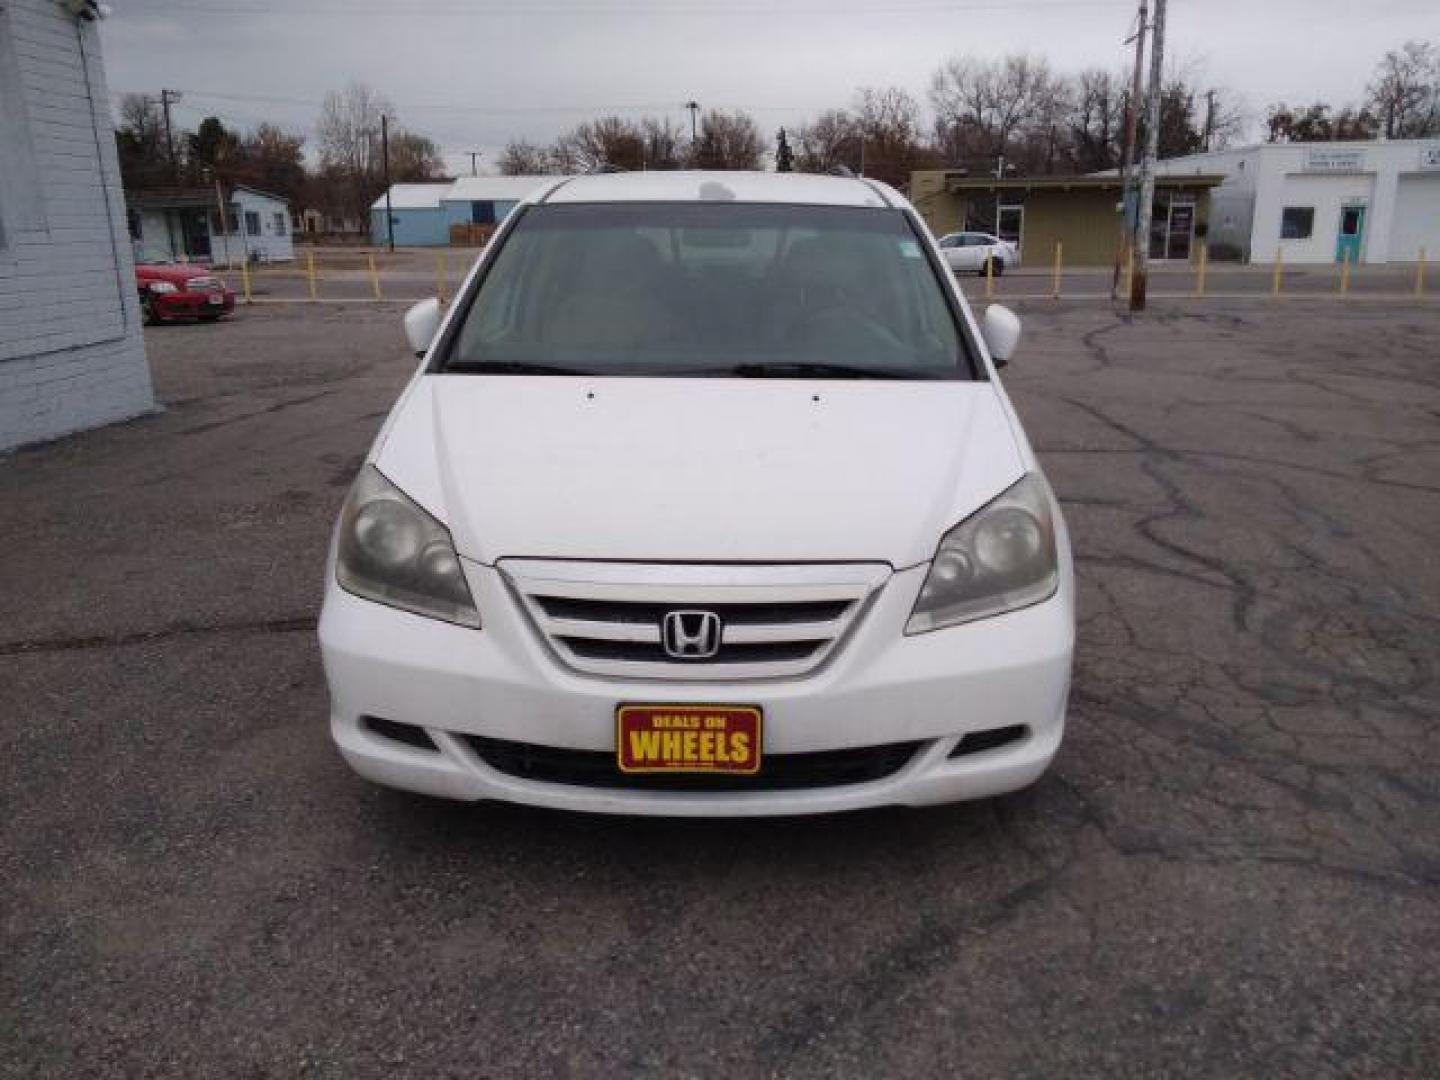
{"points": [[421, 214], [415, 216]]}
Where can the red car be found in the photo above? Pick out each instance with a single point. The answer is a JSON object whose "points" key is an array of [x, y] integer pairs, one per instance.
{"points": [[172, 291]]}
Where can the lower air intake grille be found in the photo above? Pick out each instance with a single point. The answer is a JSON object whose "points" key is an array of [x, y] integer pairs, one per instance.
{"points": [[778, 772]]}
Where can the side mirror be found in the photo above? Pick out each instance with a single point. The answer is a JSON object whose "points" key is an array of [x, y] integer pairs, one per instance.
{"points": [[1001, 330], [422, 323]]}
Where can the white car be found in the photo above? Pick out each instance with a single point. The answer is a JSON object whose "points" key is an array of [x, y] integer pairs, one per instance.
{"points": [[704, 500], [969, 252]]}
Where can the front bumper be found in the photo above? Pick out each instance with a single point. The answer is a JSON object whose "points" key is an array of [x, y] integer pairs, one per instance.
{"points": [[880, 687], [191, 305]]}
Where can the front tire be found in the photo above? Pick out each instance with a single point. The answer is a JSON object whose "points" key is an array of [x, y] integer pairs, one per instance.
{"points": [[147, 310], [993, 266]]}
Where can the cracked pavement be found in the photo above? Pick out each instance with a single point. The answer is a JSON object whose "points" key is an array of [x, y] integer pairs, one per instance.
{"points": [[1233, 868]]}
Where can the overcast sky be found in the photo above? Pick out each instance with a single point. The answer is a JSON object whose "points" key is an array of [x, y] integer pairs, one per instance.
{"points": [[472, 74]]}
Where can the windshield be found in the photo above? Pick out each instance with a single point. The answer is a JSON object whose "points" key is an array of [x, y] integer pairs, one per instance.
{"points": [[705, 289]]}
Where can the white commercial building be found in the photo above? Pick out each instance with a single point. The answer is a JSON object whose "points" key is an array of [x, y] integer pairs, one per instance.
{"points": [[186, 225], [1374, 202], [71, 351]]}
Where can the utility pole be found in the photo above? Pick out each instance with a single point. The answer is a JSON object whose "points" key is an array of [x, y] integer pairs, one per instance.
{"points": [[999, 175], [475, 156], [167, 98], [1147, 165], [1127, 153], [385, 175], [224, 222], [694, 107], [1209, 118]]}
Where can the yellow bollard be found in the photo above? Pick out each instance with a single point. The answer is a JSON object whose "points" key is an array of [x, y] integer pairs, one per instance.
{"points": [[989, 278], [374, 276], [310, 273], [1420, 274], [1279, 273], [1200, 269], [1055, 274], [1344, 274], [245, 277]]}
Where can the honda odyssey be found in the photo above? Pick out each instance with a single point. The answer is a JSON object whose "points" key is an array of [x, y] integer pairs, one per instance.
{"points": [[705, 499]]}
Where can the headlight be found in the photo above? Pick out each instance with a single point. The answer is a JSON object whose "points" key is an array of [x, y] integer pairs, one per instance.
{"points": [[999, 559], [160, 288], [391, 551]]}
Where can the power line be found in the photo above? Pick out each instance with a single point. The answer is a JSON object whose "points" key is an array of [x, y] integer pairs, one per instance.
{"points": [[717, 11], [589, 108]]}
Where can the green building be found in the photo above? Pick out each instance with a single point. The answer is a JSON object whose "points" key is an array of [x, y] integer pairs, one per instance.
{"points": [[1083, 213]]}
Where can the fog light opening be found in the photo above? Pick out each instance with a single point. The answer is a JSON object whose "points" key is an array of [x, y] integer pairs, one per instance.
{"points": [[395, 731], [977, 742]]}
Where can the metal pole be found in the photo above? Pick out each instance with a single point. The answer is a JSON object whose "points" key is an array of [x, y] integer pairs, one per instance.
{"points": [[1147, 165], [1127, 154], [385, 175], [224, 223], [474, 162], [694, 107], [167, 97], [999, 175]]}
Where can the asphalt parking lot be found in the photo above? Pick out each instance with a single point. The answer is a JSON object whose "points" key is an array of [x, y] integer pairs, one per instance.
{"points": [[1233, 869]]}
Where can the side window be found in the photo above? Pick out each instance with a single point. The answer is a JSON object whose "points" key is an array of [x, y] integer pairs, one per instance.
{"points": [[279, 223], [1297, 222], [22, 200], [252, 222]]}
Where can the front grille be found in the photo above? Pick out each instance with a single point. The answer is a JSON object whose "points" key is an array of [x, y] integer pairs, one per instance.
{"points": [[778, 772], [776, 621], [203, 284]]}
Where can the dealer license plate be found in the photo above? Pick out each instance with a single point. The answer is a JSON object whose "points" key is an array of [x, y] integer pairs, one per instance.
{"points": [[215, 298], [688, 738]]}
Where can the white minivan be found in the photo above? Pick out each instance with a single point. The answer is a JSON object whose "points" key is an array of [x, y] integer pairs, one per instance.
{"points": [[704, 500]]}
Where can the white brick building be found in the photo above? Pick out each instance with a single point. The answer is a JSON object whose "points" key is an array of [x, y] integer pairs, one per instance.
{"points": [[71, 352], [1370, 202]]}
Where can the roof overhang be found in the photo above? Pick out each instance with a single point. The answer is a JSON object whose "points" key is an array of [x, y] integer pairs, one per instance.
{"points": [[170, 198], [959, 182]]}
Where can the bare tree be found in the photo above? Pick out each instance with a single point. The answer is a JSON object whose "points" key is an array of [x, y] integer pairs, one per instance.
{"points": [[140, 142], [1405, 91], [608, 143], [887, 120], [662, 143], [727, 141], [521, 158], [830, 140], [1097, 119], [1315, 124], [986, 103], [414, 157], [349, 133], [349, 129]]}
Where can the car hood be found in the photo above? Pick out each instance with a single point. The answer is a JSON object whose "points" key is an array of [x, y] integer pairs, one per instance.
{"points": [[704, 470], [176, 275]]}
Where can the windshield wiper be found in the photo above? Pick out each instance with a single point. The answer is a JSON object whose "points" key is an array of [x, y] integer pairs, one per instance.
{"points": [[803, 370], [515, 367]]}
